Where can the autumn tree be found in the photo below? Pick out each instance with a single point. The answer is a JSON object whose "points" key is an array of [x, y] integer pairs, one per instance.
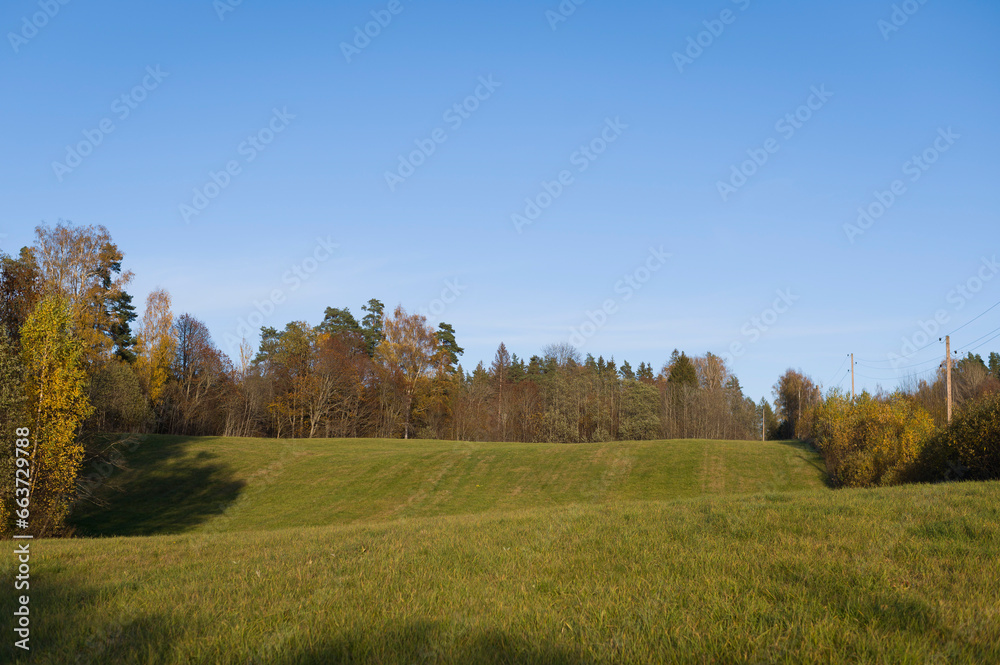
{"points": [[562, 353], [246, 404], [287, 359], [83, 265], [795, 395], [199, 373], [155, 345], [20, 289], [57, 406], [344, 359], [438, 401], [407, 352]]}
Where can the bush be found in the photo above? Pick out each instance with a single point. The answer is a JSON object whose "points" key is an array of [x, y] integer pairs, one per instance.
{"points": [[872, 441], [968, 449]]}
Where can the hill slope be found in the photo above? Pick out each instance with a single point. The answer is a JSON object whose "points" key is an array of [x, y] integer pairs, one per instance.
{"points": [[179, 484]]}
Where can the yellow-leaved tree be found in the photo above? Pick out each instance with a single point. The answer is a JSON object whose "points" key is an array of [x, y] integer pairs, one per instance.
{"points": [[407, 354], [57, 405], [84, 266], [155, 345]]}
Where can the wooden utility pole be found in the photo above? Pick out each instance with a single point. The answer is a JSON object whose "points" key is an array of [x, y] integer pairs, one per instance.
{"points": [[947, 362], [762, 435], [852, 377]]}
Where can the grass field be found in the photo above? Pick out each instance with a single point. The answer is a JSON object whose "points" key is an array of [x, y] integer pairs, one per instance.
{"points": [[254, 551], [180, 485]]}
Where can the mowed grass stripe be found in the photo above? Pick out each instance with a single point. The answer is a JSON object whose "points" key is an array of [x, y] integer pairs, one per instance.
{"points": [[900, 575], [178, 484]]}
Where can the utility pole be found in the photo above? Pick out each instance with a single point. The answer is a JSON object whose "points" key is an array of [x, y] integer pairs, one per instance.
{"points": [[762, 435], [852, 377], [947, 350]]}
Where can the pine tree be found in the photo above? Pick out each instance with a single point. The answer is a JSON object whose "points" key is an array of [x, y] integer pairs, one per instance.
{"points": [[338, 321], [682, 371], [448, 348], [122, 315], [372, 326]]}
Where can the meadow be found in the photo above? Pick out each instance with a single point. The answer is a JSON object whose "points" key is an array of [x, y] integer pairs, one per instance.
{"points": [[210, 550]]}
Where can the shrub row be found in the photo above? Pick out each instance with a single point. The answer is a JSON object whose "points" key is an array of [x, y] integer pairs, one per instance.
{"points": [[887, 440]]}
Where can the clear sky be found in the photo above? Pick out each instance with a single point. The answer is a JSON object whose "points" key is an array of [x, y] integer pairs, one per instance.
{"points": [[641, 109]]}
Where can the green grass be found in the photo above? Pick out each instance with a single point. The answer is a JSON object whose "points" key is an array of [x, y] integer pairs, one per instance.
{"points": [[388, 552], [180, 484]]}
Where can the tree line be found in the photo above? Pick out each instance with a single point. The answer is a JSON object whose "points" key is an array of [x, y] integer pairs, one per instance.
{"points": [[78, 362]]}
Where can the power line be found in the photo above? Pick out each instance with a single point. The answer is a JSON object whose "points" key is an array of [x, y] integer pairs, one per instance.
{"points": [[896, 378], [926, 362], [987, 341], [970, 321], [909, 355], [976, 340], [873, 364], [842, 365]]}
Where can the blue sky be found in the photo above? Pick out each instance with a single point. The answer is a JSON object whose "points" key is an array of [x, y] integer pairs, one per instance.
{"points": [[889, 91]]}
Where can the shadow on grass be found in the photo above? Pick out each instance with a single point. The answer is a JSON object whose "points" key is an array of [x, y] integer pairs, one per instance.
{"points": [[811, 456], [71, 625], [425, 642], [165, 489]]}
